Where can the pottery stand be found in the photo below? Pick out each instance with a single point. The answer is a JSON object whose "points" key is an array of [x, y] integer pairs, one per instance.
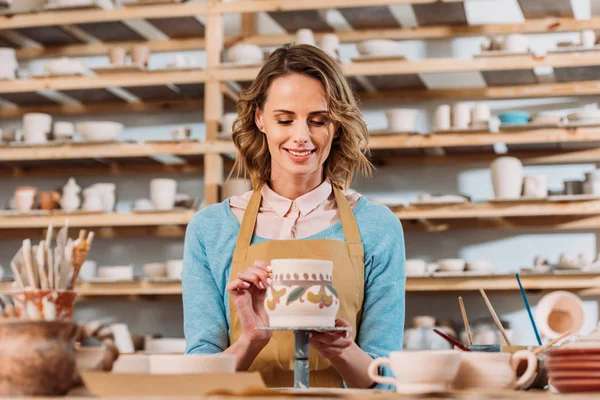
{"points": [[301, 351]]}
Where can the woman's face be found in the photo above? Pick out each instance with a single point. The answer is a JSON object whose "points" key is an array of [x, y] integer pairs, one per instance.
{"points": [[295, 120]]}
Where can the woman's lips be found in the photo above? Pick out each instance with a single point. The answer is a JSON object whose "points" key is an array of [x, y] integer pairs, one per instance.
{"points": [[298, 155]]}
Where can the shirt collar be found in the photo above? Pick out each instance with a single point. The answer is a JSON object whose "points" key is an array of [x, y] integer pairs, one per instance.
{"points": [[306, 203]]}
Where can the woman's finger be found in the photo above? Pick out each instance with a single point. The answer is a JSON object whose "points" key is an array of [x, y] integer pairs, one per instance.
{"points": [[237, 284], [331, 340], [262, 264], [264, 275], [251, 277]]}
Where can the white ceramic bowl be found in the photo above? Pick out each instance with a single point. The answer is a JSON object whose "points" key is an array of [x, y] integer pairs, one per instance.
{"points": [[165, 346], [452, 265], [99, 131], [174, 268], [377, 47], [243, 53], [122, 272], [155, 270], [415, 267], [64, 66], [192, 363], [480, 266]]}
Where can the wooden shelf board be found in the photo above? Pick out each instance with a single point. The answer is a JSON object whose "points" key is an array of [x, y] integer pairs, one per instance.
{"points": [[584, 284], [97, 220]]}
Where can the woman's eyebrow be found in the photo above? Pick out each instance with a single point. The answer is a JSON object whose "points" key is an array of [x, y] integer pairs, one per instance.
{"points": [[284, 111]]}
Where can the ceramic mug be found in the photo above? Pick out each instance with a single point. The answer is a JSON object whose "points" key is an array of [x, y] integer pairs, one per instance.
{"points": [[36, 127], [118, 56], [461, 116], [559, 312], [330, 44], [162, 193], [305, 36], [24, 198], [418, 371], [535, 186], [487, 370], [443, 118], [140, 55]]}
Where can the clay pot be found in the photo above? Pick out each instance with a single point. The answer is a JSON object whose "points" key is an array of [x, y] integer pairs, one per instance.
{"points": [[49, 200], [44, 304], [140, 55], [302, 294], [559, 312], [507, 177], [37, 358], [118, 56], [24, 198]]}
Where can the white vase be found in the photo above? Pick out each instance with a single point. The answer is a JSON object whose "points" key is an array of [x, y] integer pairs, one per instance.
{"points": [[162, 193], [461, 116], [36, 127], [507, 177], [92, 200], [442, 117]]}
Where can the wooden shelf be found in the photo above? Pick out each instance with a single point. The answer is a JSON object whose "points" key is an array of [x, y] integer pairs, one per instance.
{"points": [[583, 284]]}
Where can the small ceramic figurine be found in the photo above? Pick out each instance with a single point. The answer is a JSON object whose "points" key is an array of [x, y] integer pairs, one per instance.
{"points": [[70, 200]]}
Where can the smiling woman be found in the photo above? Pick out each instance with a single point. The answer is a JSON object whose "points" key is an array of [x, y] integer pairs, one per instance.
{"points": [[301, 138]]}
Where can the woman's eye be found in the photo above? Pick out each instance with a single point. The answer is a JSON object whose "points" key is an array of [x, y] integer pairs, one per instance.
{"points": [[319, 123], [284, 122]]}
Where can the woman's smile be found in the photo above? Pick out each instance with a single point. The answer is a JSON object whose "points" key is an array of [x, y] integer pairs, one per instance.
{"points": [[299, 155]]}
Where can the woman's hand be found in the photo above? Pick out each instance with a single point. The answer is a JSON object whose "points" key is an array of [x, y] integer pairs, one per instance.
{"points": [[248, 291], [332, 344]]}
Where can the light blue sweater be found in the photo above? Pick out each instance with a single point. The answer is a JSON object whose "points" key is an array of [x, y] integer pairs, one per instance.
{"points": [[209, 244]]}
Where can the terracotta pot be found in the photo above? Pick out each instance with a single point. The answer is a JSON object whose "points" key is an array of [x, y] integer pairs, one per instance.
{"points": [[49, 200], [37, 358], [49, 305], [302, 294]]}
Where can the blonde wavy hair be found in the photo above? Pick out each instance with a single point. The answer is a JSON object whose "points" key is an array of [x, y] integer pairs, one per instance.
{"points": [[349, 149]]}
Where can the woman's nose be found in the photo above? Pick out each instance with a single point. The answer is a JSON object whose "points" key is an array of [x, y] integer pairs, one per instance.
{"points": [[301, 133]]}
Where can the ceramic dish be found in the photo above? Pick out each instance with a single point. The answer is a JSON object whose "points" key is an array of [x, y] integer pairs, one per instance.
{"points": [[514, 117], [95, 131]]}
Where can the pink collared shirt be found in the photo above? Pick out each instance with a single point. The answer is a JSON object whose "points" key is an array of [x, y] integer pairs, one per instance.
{"points": [[281, 218]]}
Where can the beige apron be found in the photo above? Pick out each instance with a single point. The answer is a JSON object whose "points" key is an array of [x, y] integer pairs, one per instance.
{"points": [[276, 361]]}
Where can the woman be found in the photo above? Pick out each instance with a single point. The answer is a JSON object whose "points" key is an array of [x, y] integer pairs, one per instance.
{"points": [[301, 138]]}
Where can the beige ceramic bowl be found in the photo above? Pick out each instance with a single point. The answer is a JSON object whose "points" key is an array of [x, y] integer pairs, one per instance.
{"points": [[122, 272], [192, 363]]}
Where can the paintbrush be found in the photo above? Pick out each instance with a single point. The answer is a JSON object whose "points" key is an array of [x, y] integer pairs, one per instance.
{"points": [[27, 261], [452, 341], [495, 317], [465, 320]]}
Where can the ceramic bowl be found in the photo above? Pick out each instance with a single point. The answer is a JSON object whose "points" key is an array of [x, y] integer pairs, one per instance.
{"points": [[418, 371], [302, 294], [452, 265], [155, 270], [99, 131], [243, 53], [165, 346], [559, 312], [174, 268], [124, 272], [377, 47], [584, 114], [192, 363], [514, 117], [480, 266], [415, 267], [402, 120], [64, 66]]}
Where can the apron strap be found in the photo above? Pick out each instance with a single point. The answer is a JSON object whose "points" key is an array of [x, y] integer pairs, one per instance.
{"points": [[247, 227], [351, 232]]}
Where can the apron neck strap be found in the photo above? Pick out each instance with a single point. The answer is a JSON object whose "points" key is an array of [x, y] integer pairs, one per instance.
{"points": [[351, 232]]}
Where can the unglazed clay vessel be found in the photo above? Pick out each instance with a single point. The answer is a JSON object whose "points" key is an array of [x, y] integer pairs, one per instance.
{"points": [[486, 370], [507, 177], [559, 312], [302, 294], [37, 358]]}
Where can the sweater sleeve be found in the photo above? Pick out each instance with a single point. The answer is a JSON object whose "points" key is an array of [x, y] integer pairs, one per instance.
{"points": [[204, 315], [382, 323]]}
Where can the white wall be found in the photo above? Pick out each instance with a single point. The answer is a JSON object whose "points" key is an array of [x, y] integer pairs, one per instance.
{"points": [[509, 250]]}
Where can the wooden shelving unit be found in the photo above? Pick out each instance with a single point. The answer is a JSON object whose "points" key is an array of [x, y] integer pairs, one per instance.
{"points": [[583, 284]]}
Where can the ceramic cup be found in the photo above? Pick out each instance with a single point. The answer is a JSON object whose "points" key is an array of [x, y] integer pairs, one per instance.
{"points": [[235, 187], [301, 294], [24, 198], [418, 371], [574, 187], [8, 63], [63, 130], [516, 43], [588, 38], [181, 132], [192, 363], [227, 124], [507, 177], [486, 370], [481, 114], [174, 268], [41, 304], [535, 186], [402, 120], [559, 312], [36, 127], [305, 36], [140, 55], [443, 117], [330, 44], [118, 56], [162, 193], [461, 116]]}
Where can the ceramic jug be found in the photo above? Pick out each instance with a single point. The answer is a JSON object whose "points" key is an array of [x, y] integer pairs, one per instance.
{"points": [[70, 200]]}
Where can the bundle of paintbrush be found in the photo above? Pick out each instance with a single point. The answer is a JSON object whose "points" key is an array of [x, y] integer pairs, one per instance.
{"points": [[46, 267]]}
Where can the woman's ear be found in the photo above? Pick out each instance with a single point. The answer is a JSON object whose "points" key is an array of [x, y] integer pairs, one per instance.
{"points": [[259, 119]]}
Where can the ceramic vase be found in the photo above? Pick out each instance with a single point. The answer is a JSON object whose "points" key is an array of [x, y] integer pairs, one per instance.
{"points": [[8, 63], [37, 358], [302, 294], [461, 116], [480, 115], [140, 55], [118, 56], [443, 118], [162, 193], [36, 127], [559, 312], [507, 177], [70, 200], [330, 44], [92, 200]]}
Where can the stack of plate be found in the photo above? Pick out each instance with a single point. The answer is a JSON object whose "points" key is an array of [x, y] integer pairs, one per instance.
{"points": [[574, 369]]}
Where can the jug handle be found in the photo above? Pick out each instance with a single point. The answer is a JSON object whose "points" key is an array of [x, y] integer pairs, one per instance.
{"points": [[373, 371], [532, 365]]}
